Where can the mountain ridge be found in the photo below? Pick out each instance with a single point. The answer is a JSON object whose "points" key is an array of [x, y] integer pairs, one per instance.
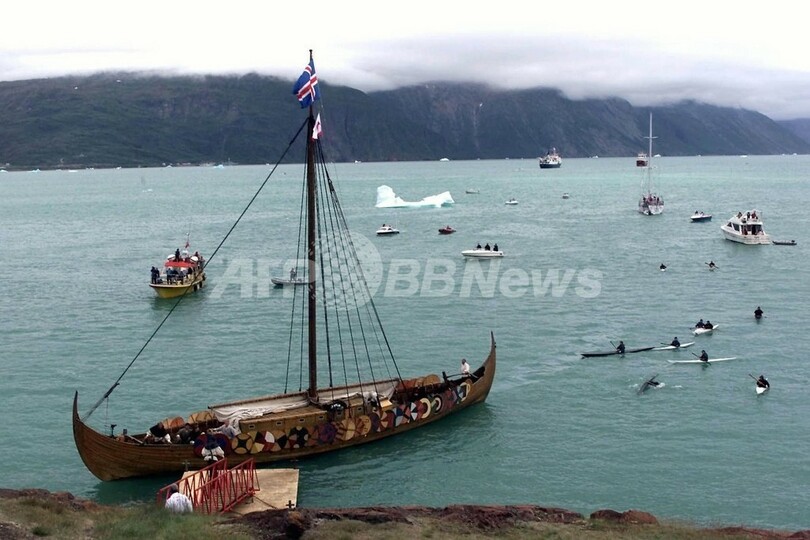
{"points": [[142, 119]]}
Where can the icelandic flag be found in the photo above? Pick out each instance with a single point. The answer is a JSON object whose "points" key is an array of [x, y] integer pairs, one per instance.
{"points": [[317, 130], [306, 88]]}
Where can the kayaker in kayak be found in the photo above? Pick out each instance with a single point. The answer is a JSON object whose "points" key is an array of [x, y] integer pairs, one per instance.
{"points": [[758, 313], [662, 267], [704, 356], [675, 343], [708, 325], [620, 347], [700, 324], [762, 382]]}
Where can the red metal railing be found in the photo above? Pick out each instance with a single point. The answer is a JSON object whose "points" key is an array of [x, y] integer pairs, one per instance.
{"points": [[216, 489]]}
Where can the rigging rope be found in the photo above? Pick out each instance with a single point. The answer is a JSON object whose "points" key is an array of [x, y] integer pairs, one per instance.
{"points": [[180, 298]]}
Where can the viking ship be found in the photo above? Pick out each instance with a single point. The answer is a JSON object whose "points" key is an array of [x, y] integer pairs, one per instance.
{"points": [[315, 418]]}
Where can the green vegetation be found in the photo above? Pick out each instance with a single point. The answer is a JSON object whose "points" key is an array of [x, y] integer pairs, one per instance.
{"points": [[46, 517], [41, 514]]}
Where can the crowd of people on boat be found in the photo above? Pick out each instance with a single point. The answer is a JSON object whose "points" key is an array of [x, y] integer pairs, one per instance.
{"points": [[651, 200], [487, 247], [175, 275], [748, 216]]}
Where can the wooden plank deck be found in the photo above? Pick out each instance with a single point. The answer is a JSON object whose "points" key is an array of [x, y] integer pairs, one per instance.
{"points": [[278, 488]]}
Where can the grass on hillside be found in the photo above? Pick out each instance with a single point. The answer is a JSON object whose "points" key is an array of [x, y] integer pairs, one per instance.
{"points": [[44, 517]]}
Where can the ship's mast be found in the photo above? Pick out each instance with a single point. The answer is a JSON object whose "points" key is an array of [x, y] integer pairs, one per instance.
{"points": [[311, 269]]}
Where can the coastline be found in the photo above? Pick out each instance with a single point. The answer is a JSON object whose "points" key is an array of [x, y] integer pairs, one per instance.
{"points": [[22, 511]]}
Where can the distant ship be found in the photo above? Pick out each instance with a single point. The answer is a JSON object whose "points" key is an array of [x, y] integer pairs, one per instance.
{"points": [[551, 160]]}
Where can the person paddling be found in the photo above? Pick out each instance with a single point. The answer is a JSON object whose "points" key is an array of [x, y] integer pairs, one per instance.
{"points": [[708, 325], [675, 343], [712, 266], [700, 324], [704, 356], [758, 313], [620, 347], [662, 267], [762, 382]]}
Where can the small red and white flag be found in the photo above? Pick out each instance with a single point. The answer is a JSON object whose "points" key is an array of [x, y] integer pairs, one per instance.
{"points": [[317, 131]]}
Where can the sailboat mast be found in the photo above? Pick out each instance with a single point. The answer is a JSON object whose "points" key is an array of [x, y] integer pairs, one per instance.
{"points": [[311, 269], [650, 138]]}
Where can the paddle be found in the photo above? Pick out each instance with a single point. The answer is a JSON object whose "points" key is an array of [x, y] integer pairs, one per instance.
{"points": [[757, 381], [701, 359]]}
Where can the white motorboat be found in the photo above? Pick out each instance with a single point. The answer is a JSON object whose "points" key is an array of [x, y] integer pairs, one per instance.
{"points": [[387, 230], [699, 217], [511, 202], [650, 204], [552, 160], [473, 191], [745, 229], [482, 253], [292, 281]]}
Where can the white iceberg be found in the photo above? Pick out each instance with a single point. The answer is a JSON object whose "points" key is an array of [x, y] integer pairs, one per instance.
{"points": [[386, 198]]}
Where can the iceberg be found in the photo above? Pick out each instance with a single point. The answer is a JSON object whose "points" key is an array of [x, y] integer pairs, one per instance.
{"points": [[386, 198]]}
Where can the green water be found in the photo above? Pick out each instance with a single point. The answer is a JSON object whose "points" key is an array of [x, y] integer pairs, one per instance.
{"points": [[75, 253]]}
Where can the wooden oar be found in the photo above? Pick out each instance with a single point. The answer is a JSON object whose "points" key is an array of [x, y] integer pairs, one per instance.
{"points": [[753, 377]]}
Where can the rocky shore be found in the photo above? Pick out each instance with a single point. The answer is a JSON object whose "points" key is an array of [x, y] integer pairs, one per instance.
{"points": [[457, 521]]}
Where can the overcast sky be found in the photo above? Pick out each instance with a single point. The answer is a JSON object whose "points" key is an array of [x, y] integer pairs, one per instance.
{"points": [[750, 55]]}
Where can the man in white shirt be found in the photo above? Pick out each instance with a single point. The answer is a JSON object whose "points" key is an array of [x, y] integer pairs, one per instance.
{"points": [[177, 502], [465, 367]]}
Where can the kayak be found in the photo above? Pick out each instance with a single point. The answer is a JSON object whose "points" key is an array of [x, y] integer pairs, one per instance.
{"points": [[672, 347], [698, 331], [761, 389], [614, 352], [697, 361]]}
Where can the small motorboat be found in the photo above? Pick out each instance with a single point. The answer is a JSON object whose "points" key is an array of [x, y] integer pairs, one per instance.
{"points": [[473, 191], [387, 230], [293, 280], [447, 230], [699, 217], [511, 201], [566, 196], [483, 253], [784, 242]]}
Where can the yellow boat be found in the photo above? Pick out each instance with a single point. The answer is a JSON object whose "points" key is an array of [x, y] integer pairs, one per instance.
{"points": [[181, 274]]}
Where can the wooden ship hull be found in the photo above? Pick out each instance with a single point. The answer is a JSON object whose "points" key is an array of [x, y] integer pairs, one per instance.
{"points": [[298, 431]]}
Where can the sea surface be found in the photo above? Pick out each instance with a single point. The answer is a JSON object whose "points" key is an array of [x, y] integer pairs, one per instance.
{"points": [[578, 275]]}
